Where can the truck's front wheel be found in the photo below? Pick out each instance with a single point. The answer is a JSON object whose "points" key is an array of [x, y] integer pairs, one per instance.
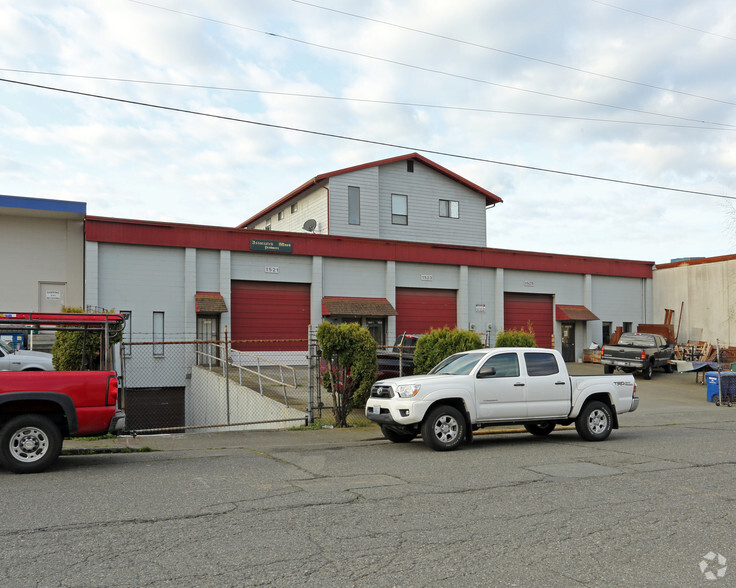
{"points": [[29, 443], [595, 421], [444, 428]]}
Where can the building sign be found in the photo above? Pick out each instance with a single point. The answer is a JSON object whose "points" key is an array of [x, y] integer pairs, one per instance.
{"points": [[272, 269], [272, 246], [426, 278], [480, 308], [529, 283], [53, 294]]}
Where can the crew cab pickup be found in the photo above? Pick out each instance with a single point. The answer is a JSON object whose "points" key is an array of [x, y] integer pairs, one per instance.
{"points": [[501, 386], [638, 351], [39, 409]]}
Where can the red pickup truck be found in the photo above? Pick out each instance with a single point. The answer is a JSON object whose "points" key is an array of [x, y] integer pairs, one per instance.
{"points": [[39, 409]]}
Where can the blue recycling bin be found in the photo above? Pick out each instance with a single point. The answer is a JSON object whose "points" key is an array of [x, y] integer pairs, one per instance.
{"points": [[728, 385]]}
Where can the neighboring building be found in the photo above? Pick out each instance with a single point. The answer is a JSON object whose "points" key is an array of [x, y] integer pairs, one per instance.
{"points": [[702, 292], [42, 259], [405, 198]]}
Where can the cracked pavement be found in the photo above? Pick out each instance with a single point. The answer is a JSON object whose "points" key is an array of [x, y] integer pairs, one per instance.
{"points": [[640, 509]]}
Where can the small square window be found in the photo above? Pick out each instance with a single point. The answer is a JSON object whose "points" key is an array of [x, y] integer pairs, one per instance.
{"points": [[294, 208], [268, 224], [281, 215], [450, 208]]}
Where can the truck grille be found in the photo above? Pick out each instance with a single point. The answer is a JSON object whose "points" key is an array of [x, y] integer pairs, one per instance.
{"points": [[382, 392]]}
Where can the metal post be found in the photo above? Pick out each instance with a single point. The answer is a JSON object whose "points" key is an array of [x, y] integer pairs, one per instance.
{"points": [[227, 376], [311, 353], [718, 360]]}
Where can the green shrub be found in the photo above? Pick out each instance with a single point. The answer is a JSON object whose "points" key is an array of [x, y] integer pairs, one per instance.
{"points": [[520, 338], [69, 347], [438, 344], [349, 353]]}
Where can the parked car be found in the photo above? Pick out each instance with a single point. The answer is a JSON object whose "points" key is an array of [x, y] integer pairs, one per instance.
{"points": [[19, 360], [501, 386], [638, 351]]}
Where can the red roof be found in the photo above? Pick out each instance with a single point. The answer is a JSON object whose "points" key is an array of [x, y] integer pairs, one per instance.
{"points": [[490, 197]]}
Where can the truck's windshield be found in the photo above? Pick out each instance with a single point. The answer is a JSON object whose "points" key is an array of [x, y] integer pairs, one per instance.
{"points": [[460, 364], [6, 347]]}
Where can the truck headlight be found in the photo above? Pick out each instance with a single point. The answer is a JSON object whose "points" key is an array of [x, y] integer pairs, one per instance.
{"points": [[407, 390]]}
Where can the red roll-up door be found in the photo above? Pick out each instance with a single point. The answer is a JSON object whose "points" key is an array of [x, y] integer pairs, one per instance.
{"points": [[519, 310], [266, 311], [422, 309]]}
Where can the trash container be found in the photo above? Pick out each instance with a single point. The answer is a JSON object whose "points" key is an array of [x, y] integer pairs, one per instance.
{"points": [[728, 385]]}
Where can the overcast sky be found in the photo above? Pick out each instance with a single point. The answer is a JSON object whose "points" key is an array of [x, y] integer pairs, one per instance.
{"points": [[495, 90]]}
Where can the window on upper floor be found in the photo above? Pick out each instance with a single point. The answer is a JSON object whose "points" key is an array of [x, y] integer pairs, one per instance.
{"points": [[281, 215], [449, 208], [268, 224], [294, 208], [399, 209], [410, 166], [353, 205], [158, 333]]}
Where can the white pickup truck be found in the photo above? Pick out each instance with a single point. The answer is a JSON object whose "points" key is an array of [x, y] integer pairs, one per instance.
{"points": [[501, 386]]}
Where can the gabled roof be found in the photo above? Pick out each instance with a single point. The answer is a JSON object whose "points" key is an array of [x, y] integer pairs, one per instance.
{"points": [[490, 197]]}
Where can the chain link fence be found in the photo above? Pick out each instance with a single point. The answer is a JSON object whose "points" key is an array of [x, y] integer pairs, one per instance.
{"points": [[187, 386]]}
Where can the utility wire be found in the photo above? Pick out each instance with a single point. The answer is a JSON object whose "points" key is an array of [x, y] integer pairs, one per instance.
{"points": [[519, 55], [422, 68], [365, 100], [367, 141], [676, 24]]}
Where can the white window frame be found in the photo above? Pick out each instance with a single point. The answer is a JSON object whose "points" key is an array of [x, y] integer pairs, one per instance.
{"points": [[396, 211], [353, 205]]}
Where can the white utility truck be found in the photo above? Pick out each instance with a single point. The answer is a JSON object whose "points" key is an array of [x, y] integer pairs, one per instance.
{"points": [[502, 386]]}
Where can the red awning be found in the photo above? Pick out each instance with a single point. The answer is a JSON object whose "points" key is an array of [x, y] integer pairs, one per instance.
{"points": [[340, 306], [574, 312], [209, 303]]}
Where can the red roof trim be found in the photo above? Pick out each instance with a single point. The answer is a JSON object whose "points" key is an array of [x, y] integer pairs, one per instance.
{"points": [[490, 197], [135, 232]]}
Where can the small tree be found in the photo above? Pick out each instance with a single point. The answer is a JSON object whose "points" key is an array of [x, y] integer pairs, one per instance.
{"points": [[438, 344], [517, 338], [71, 346], [350, 354]]}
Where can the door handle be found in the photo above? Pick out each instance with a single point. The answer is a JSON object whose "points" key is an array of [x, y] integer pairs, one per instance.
{"points": [[519, 384], [559, 383]]}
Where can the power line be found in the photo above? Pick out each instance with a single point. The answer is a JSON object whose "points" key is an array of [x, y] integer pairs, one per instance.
{"points": [[519, 55], [424, 69], [367, 141], [676, 24], [722, 127]]}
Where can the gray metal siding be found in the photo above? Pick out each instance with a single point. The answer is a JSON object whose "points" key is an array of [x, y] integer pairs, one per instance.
{"points": [[619, 300], [367, 181], [270, 267], [355, 278], [424, 188]]}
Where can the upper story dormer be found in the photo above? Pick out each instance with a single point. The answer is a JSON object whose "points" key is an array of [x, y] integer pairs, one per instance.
{"points": [[405, 198]]}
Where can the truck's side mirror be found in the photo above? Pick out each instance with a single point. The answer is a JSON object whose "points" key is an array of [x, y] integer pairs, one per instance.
{"points": [[486, 372]]}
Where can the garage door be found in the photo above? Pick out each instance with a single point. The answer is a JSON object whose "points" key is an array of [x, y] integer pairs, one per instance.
{"points": [[421, 309], [264, 311], [521, 309]]}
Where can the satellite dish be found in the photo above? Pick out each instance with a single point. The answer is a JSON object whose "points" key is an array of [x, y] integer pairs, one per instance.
{"points": [[310, 225]]}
